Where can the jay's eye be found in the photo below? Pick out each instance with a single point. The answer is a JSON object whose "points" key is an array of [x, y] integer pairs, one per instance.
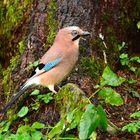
{"points": [[74, 33]]}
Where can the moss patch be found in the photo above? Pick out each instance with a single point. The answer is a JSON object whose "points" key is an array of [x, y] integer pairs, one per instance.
{"points": [[7, 83], [51, 22], [12, 15], [91, 67], [70, 97]]}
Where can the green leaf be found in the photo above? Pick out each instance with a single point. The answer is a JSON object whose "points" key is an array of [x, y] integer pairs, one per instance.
{"points": [[35, 92], [36, 105], [93, 136], [23, 136], [133, 68], [122, 46], [36, 135], [1, 137], [110, 78], [58, 129], [23, 111], [46, 98], [89, 122], [73, 119], [6, 126], [134, 94], [103, 119], [131, 127], [135, 115], [37, 125], [31, 65], [132, 81], [138, 25], [135, 59], [110, 96], [24, 128], [124, 59]]}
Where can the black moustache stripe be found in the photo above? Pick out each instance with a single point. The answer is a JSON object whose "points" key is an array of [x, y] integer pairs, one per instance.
{"points": [[76, 37]]}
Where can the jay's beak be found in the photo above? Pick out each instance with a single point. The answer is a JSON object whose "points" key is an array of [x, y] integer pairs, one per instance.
{"points": [[85, 34]]}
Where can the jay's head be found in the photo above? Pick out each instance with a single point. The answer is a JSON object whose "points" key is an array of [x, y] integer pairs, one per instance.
{"points": [[72, 34]]}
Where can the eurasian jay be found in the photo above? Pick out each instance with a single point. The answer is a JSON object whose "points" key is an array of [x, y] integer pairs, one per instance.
{"points": [[56, 63]]}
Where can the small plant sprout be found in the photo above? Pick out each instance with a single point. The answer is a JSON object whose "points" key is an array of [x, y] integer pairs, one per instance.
{"points": [[104, 54], [102, 38]]}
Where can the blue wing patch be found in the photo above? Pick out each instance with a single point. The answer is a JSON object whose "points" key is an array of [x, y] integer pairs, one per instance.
{"points": [[52, 64]]}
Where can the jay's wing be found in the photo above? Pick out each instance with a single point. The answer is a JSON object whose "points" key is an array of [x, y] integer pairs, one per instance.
{"points": [[41, 68]]}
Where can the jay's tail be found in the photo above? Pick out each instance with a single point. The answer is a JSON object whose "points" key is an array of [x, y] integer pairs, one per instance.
{"points": [[23, 89], [29, 83]]}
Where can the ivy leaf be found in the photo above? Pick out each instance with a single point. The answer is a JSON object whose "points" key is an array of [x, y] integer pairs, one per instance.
{"points": [[23, 111], [37, 125], [89, 122], [110, 78], [103, 119], [110, 96]]}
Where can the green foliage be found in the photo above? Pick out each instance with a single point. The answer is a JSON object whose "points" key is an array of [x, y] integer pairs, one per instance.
{"points": [[4, 126], [134, 93], [51, 21], [58, 129], [91, 67], [26, 132], [128, 62], [122, 46], [87, 121], [23, 111], [135, 115], [46, 98], [90, 120], [134, 126], [109, 78], [35, 92], [110, 96]]}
